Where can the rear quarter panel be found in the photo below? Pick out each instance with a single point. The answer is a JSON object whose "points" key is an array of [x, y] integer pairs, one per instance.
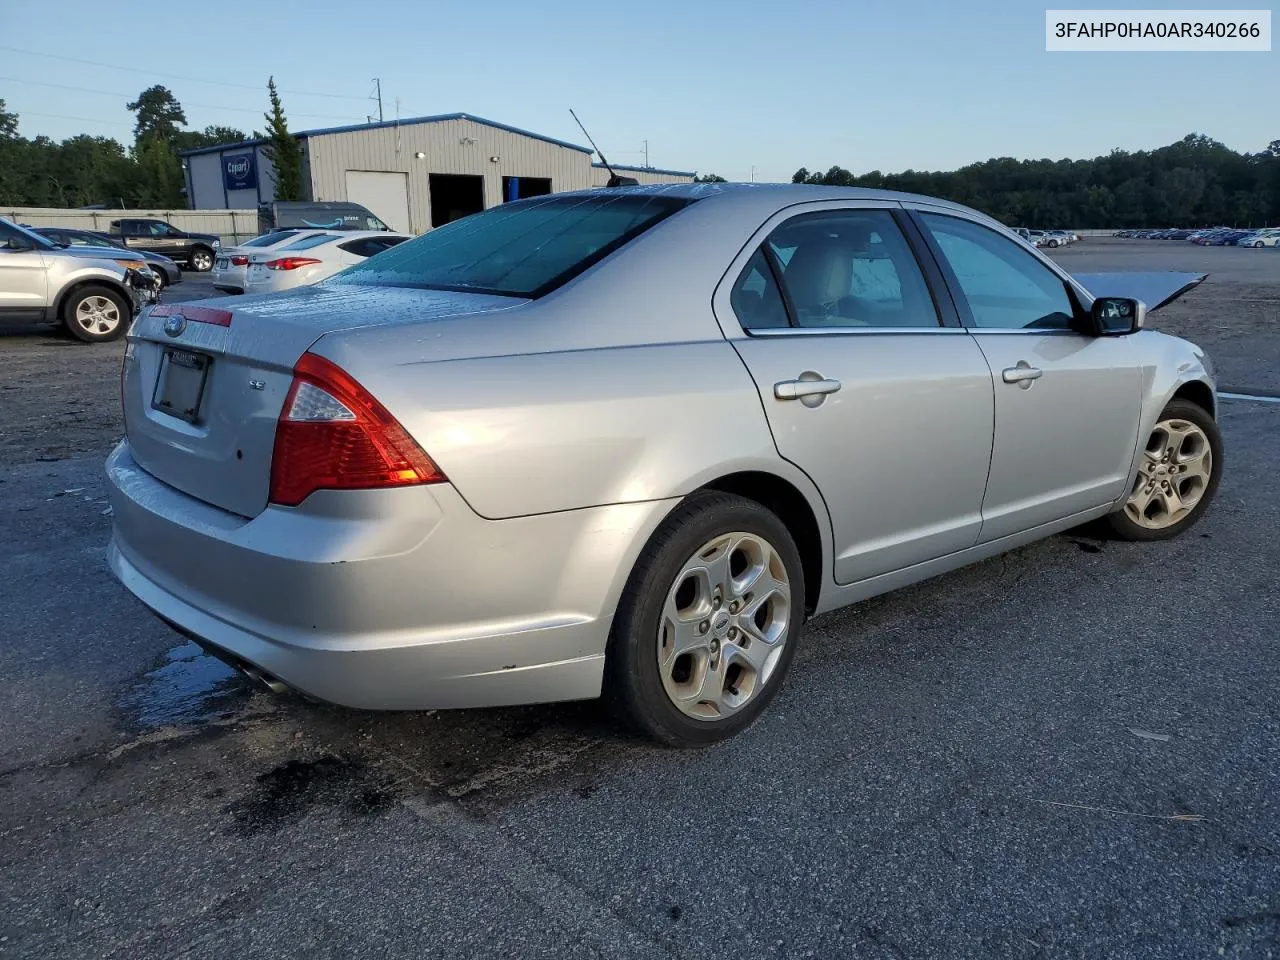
{"points": [[565, 430]]}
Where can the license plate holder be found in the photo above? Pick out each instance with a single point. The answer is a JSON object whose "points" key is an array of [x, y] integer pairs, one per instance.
{"points": [[180, 384]]}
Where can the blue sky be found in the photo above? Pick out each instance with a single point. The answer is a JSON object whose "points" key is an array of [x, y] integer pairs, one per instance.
{"points": [[713, 85]]}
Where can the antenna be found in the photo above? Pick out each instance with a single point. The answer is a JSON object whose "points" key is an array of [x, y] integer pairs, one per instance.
{"points": [[377, 83], [614, 179]]}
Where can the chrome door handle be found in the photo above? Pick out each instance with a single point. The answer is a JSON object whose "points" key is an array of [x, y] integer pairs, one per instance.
{"points": [[1022, 373], [797, 389]]}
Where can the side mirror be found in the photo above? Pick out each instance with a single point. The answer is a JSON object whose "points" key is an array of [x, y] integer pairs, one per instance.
{"points": [[1117, 316]]}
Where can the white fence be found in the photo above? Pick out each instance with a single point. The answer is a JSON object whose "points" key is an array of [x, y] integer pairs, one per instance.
{"points": [[231, 225]]}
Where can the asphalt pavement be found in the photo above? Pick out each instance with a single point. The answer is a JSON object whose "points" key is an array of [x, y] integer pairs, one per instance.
{"points": [[1072, 750]]}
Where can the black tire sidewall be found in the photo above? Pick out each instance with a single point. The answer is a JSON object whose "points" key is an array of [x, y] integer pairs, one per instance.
{"points": [[1181, 410], [78, 297], [633, 683]]}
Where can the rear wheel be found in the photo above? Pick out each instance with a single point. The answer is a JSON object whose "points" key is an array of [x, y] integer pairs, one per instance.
{"points": [[1258, 244], [201, 259], [1177, 476], [96, 314], [707, 626]]}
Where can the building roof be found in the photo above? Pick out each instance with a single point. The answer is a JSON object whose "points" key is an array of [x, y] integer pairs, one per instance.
{"points": [[669, 173], [407, 121]]}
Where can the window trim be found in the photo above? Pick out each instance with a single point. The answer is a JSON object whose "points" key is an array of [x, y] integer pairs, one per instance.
{"points": [[1080, 302], [948, 320]]}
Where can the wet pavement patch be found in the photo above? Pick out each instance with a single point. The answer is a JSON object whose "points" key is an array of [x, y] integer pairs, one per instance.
{"points": [[189, 687], [288, 792]]}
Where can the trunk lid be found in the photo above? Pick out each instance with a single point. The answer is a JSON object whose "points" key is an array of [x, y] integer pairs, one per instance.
{"points": [[203, 383]]}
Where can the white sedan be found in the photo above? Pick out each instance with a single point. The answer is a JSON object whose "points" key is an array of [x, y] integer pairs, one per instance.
{"points": [[314, 257], [233, 262]]}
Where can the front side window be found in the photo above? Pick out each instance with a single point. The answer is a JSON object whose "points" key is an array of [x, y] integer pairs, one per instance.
{"points": [[1005, 285], [851, 268], [522, 249]]}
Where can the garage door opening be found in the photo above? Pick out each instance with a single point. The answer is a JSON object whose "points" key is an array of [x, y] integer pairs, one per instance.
{"points": [[454, 196], [517, 188]]}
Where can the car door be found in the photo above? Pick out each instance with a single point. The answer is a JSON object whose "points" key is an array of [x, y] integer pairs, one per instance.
{"points": [[24, 285], [869, 387], [1067, 403]]}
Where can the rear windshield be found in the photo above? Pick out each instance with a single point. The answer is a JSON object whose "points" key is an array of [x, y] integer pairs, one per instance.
{"points": [[522, 249], [267, 239], [315, 240]]}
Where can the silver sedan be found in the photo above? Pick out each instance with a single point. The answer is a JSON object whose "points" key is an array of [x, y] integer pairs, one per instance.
{"points": [[622, 443]]}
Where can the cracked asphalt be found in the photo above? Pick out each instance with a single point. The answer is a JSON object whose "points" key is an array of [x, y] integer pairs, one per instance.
{"points": [[1072, 750]]}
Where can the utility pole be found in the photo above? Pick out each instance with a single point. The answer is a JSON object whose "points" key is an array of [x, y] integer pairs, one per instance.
{"points": [[646, 153], [753, 173], [378, 96]]}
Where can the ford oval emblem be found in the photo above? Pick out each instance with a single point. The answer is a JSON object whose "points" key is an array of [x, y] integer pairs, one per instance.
{"points": [[175, 324]]}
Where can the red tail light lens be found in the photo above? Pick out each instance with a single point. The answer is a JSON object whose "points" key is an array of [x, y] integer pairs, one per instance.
{"points": [[333, 435], [239, 261], [290, 263]]}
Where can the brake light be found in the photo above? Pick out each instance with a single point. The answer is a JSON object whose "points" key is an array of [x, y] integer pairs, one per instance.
{"points": [[239, 261], [290, 263], [333, 435]]}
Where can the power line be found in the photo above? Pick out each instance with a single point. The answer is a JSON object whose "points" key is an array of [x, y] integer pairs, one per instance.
{"points": [[175, 76], [203, 106], [60, 116]]}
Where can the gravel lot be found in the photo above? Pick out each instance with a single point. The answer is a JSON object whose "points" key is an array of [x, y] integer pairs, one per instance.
{"points": [[1072, 750]]}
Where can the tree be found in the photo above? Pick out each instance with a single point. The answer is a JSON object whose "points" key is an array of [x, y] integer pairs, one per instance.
{"points": [[160, 174], [710, 178], [211, 136], [8, 123], [159, 115], [282, 149]]}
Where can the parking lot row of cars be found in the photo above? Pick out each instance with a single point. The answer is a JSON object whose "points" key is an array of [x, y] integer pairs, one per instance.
{"points": [[1211, 237], [1046, 238]]}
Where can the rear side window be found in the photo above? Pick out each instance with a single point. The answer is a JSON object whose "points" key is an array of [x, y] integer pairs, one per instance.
{"points": [[522, 249], [368, 246]]}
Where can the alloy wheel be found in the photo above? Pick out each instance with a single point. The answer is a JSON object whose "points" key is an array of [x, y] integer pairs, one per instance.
{"points": [[97, 315], [724, 625], [1173, 475], [202, 261]]}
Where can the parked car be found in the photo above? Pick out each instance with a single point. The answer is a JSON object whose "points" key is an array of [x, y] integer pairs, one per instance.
{"points": [[616, 442], [1037, 238], [93, 297], [196, 250], [1262, 238], [317, 214], [231, 264], [310, 258], [165, 269], [1056, 238]]}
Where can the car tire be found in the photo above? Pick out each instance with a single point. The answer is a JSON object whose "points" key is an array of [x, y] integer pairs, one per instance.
{"points": [[201, 259], [96, 314], [1053, 243], [684, 583], [1258, 245], [1171, 473]]}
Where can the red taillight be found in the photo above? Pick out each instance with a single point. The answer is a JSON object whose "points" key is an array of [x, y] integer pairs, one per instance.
{"points": [[333, 435], [239, 261], [290, 263]]}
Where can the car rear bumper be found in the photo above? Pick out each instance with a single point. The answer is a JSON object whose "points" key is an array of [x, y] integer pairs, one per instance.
{"points": [[386, 599]]}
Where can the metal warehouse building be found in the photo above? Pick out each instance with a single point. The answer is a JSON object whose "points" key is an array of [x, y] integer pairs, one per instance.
{"points": [[414, 174]]}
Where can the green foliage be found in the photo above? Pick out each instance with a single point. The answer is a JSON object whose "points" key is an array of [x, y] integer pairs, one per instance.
{"points": [[211, 136], [1196, 181], [709, 178], [8, 123], [282, 149], [159, 114]]}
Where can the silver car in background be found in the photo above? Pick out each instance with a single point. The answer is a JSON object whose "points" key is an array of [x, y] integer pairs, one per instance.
{"points": [[231, 264], [624, 442], [309, 259]]}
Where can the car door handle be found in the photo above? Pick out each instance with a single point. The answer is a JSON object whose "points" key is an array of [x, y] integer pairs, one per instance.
{"points": [[1022, 373], [795, 389]]}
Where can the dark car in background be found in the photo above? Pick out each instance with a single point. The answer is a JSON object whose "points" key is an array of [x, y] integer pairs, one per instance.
{"points": [[196, 250], [164, 268], [318, 215]]}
